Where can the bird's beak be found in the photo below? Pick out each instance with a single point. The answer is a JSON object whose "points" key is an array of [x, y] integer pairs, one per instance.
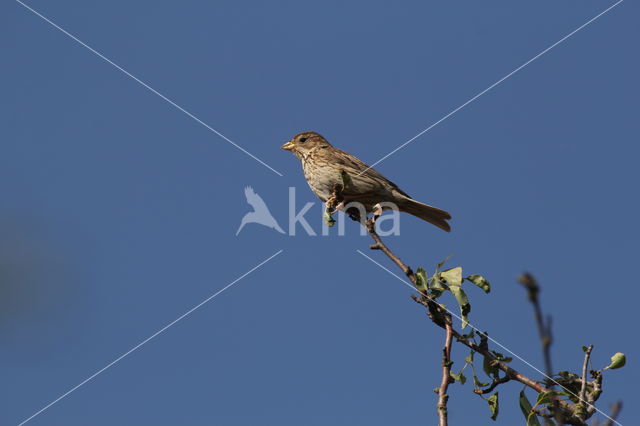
{"points": [[288, 146]]}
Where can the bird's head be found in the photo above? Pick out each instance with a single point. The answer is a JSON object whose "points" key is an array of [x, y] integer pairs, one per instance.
{"points": [[304, 142]]}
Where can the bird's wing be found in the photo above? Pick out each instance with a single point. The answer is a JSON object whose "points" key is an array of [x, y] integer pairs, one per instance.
{"points": [[354, 167], [254, 200]]}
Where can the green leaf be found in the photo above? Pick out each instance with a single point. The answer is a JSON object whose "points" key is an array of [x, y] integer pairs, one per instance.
{"points": [[330, 221], [488, 368], [459, 377], [480, 281], [493, 405], [476, 381], [546, 397], [452, 276], [618, 360], [527, 410], [463, 302], [421, 280], [463, 379], [437, 285]]}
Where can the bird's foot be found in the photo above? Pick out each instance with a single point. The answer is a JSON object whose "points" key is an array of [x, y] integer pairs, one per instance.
{"points": [[338, 207], [331, 200], [336, 201]]}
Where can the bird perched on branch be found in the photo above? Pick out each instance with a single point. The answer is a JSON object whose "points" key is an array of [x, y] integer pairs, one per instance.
{"points": [[327, 168]]}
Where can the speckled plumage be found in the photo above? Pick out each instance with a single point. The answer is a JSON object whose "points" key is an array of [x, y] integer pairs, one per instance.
{"points": [[323, 165]]}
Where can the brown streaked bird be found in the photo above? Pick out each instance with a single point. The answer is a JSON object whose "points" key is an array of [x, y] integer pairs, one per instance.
{"points": [[324, 165]]}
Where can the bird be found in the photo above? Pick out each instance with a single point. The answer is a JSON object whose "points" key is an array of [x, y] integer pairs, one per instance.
{"points": [[260, 213], [325, 166]]}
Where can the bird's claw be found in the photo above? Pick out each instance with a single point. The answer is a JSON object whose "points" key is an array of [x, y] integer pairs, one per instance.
{"points": [[338, 207]]}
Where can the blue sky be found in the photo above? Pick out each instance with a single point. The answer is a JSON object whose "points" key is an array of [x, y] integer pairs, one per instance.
{"points": [[119, 212]]}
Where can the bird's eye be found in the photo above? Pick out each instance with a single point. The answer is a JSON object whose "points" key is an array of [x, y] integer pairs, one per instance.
{"points": [[303, 140]]}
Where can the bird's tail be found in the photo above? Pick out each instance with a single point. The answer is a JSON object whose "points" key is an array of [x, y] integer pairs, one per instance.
{"points": [[431, 214]]}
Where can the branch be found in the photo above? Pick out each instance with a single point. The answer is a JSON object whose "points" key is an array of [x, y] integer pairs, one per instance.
{"points": [[595, 393], [436, 313], [615, 412], [446, 373], [582, 403], [494, 384], [564, 411], [510, 372], [379, 245], [544, 330]]}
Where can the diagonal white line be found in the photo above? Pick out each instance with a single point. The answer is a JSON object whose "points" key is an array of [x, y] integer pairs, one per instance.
{"points": [[490, 338], [149, 87], [493, 85], [145, 341]]}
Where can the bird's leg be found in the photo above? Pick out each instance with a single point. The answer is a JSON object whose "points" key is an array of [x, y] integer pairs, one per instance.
{"points": [[333, 204], [345, 200], [338, 207], [336, 201], [330, 202]]}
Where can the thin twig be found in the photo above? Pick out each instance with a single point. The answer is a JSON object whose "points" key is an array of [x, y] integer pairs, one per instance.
{"points": [[494, 384], [510, 372], [583, 388], [615, 412], [446, 373], [544, 331], [379, 245]]}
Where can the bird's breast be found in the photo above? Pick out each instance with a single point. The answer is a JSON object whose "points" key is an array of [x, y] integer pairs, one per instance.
{"points": [[320, 180]]}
